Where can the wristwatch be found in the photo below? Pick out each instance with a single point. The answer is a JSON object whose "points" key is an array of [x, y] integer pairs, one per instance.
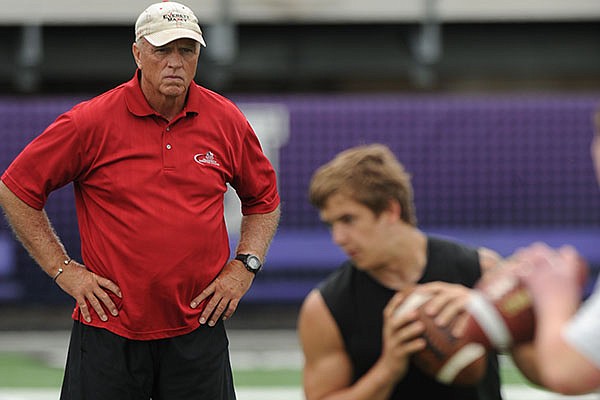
{"points": [[250, 261]]}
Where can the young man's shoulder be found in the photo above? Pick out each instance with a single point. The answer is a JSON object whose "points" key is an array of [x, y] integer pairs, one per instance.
{"points": [[453, 261], [454, 246]]}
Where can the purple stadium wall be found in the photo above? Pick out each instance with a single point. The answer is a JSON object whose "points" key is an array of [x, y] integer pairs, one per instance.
{"points": [[490, 170]]}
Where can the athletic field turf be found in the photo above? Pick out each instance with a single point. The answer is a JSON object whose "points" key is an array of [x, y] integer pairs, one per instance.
{"points": [[266, 367]]}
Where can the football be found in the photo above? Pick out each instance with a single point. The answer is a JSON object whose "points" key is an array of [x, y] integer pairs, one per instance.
{"points": [[450, 360], [501, 312]]}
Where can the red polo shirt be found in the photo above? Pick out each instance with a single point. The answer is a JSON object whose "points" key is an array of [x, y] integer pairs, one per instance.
{"points": [[149, 197]]}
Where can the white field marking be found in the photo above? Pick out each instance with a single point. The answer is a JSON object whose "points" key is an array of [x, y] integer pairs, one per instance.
{"points": [[522, 392], [509, 392], [275, 393]]}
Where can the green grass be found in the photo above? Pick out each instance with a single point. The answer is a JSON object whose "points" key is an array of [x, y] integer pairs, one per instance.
{"points": [[512, 376], [22, 370], [262, 378], [18, 370]]}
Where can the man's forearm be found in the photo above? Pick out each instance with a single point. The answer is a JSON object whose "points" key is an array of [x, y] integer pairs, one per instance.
{"points": [[34, 230], [256, 233]]}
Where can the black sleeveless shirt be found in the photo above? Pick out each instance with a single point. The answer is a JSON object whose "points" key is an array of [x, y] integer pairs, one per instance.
{"points": [[356, 302]]}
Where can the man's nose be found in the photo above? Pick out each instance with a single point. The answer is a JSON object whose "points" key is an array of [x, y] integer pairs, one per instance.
{"points": [[338, 235], [175, 59]]}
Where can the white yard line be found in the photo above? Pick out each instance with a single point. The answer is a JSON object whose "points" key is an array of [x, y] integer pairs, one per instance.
{"points": [[510, 392], [519, 392], [242, 394]]}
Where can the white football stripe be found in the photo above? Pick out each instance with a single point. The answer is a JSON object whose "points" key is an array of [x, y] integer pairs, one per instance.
{"points": [[459, 361], [412, 302], [490, 321]]}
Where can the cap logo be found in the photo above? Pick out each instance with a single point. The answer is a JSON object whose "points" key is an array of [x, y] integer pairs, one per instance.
{"points": [[173, 16]]}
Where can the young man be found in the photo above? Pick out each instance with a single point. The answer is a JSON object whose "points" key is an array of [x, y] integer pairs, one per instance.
{"points": [[354, 345], [567, 343], [150, 161]]}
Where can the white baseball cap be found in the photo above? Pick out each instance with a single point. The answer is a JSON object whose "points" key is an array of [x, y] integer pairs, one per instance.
{"points": [[164, 22]]}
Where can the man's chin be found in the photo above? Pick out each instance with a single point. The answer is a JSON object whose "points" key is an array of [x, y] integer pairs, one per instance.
{"points": [[174, 91], [357, 263]]}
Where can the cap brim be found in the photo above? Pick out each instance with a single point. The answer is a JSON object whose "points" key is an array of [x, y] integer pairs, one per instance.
{"points": [[161, 38]]}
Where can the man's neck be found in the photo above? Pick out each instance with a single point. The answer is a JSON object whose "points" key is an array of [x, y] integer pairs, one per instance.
{"points": [[407, 261]]}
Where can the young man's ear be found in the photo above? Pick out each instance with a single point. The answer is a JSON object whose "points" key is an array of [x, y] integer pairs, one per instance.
{"points": [[393, 210]]}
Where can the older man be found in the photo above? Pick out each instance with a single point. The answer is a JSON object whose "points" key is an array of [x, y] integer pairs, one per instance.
{"points": [[150, 162]]}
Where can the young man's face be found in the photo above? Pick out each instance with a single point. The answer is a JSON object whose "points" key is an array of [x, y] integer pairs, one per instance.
{"points": [[357, 230], [595, 148], [596, 155]]}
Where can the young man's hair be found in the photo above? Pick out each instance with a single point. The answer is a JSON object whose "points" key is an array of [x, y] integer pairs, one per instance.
{"points": [[370, 175]]}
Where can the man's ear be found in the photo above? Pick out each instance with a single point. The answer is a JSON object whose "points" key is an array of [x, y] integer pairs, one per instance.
{"points": [[135, 50], [393, 210]]}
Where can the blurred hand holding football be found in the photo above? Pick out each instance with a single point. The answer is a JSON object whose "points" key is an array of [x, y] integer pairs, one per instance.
{"points": [[449, 359], [501, 311]]}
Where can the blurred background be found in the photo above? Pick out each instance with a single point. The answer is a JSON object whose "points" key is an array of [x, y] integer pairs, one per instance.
{"points": [[487, 103], [324, 46]]}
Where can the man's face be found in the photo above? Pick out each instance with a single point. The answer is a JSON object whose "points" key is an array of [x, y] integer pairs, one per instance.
{"points": [[356, 230], [168, 70], [595, 148], [596, 155]]}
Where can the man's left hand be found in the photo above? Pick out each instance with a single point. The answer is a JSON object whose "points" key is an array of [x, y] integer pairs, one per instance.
{"points": [[225, 293]]}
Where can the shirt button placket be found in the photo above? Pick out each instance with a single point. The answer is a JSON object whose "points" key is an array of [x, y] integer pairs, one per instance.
{"points": [[169, 157]]}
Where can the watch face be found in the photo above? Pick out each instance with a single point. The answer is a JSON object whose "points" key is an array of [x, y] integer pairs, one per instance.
{"points": [[253, 262]]}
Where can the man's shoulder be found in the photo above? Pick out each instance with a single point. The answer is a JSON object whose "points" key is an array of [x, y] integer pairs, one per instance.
{"points": [[338, 279], [452, 261], [201, 97], [439, 243], [101, 101]]}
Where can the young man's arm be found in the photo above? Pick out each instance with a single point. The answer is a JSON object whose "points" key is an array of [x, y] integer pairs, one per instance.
{"points": [[327, 373]]}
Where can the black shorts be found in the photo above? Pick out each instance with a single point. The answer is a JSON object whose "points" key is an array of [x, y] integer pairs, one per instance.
{"points": [[105, 366]]}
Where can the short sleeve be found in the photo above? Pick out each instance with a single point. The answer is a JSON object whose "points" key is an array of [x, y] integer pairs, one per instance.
{"points": [[47, 163], [255, 181]]}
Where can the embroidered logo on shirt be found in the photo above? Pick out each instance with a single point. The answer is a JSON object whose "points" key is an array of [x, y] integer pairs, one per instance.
{"points": [[207, 158]]}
